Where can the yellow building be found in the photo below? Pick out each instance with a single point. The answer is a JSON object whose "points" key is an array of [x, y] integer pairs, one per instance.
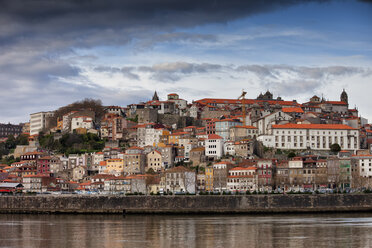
{"points": [[115, 166], [59, 124], [209, 178], [174, 138]]}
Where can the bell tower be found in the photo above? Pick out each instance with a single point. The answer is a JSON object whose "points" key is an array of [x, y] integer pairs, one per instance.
{"points": [[344, 97]]}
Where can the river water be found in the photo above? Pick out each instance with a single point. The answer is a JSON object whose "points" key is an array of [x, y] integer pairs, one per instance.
{"points": [[341, 230]]}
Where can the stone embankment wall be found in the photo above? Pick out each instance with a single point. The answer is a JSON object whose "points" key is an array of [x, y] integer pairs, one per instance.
{"points": [[185, 204]]}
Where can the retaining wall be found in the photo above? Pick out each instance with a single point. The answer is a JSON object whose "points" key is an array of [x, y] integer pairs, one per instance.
{"points": [[185, 204]]}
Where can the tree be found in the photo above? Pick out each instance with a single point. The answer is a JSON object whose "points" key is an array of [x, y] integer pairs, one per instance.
{"points": [[151, 171], [291, 155], [335, 148]]}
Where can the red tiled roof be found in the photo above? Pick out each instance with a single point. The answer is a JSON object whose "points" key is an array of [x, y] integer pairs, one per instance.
{"points": [[336, 102], [223, 162], [135, 148], [249, 176], [244, 168], [292, 110], [314, 126], [214, 136], [248, 127]]}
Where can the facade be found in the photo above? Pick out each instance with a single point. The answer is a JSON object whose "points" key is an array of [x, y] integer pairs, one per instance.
{"points": [[180, 180], [149, 134], [264, 123], [295, 167], [282, 176], [214, 146], [9, 129], [220, 173], [38, 121], [84, 122], [265, 174], [243, 148], [243, 132], [223, 127], [242, 179], [197, 155], [37, 183], [43, 165], [115, 166], [134, 163], [313, 136], [209, 178], [155, 161]]}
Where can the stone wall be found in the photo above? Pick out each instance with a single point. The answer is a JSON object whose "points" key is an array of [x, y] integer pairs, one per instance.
{"points": [[180, 121], [185, 204]]}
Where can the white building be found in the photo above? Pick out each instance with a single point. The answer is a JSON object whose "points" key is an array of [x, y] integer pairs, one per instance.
{"points": [[214, 146], [229, 148], [38, 121], [242, 179], [81, 122], [264, 123], [97, 158], [313, 136], [148, 135], [364, 163], [66, 121], [180, 179]]}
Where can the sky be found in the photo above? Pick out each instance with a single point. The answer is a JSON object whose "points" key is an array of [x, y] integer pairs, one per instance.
{"points": [[53, 53]]}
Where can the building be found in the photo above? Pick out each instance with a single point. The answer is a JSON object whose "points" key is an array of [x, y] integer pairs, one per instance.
{"points": [[282, 176], [242, 179], [37, 183], [84, 122], [43, 165], [134, 161], [295, 167], [180, 180], [10, 129], [155, 161], [208, 178], [243, 132], [223, 127], [220, 173], [265, 174], [200, 182], [214, 146], [39, 121], [312, 136], [149, 134], [243, 148], [115, 166]]}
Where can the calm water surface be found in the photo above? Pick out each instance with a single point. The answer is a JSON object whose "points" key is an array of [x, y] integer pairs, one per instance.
{"points": [[344, 230]]}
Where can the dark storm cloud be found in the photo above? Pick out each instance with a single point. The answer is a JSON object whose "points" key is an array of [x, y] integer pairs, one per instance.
{"points": [[83, 23], [36, 36]]}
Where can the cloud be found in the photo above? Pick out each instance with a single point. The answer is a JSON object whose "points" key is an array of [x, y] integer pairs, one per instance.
{"points": [[125, 71], [39, 39], [289, 80], [175, 71]]}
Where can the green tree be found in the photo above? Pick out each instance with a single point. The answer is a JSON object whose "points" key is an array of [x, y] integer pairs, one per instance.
{"points": [[151, 171], [291, 155], [335, 148]]}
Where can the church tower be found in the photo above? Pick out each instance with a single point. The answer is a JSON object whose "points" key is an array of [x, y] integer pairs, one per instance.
{"points": [[155, 97], [344, 97]]}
